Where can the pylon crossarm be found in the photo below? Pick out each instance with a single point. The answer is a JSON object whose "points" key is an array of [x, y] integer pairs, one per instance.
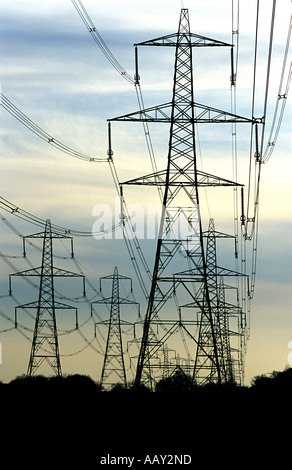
{"points": [[197, 273], [58, 272], [202, 114], [184, 39], [182, 179], [121, 301]]}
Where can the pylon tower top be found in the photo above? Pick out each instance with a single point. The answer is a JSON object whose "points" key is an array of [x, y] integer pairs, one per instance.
{"points": [[183, 36]]}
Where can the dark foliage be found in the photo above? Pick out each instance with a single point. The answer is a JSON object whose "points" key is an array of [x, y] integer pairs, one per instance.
{"points": [[84, 423], [178, 382], [276, 382], [118, 388]]}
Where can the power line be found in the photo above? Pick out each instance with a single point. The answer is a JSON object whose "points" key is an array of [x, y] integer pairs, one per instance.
{"points": [[268, 74], [37, 130], [100, 42], [259, 142], [38, 221], [21, 117], [281, 98]]}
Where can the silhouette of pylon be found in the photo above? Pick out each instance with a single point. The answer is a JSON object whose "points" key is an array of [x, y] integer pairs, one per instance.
{"points": [[113, 369], [204, 369], [45, 346], [180, 232]]}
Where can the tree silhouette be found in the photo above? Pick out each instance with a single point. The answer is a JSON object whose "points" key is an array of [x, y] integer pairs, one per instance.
{"points": [[276, 381], [177, 382]]}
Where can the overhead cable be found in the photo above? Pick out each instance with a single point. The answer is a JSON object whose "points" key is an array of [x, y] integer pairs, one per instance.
{"points": [[268, 74], [253, 235], [37, 130], [35, 220], [99, 40], [281, 98]]}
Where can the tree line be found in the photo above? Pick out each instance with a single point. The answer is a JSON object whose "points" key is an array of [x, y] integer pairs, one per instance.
{"points": [[178, 382]]}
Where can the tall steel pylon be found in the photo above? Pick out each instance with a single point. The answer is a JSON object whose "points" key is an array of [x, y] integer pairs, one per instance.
{"points": [[45, 345], [113, 369], [180, 233]]}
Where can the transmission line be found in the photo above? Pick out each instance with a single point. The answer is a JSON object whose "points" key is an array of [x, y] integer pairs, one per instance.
{"points": [[21, 117], [268, 75], [37, 130], [282, 97], [258, 155], [31, 218], [99, 40]]}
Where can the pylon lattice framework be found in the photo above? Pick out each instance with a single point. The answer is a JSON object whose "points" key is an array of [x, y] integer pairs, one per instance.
{"points": [[113, 369], [229, 352], [181, 181], [45, 345]]}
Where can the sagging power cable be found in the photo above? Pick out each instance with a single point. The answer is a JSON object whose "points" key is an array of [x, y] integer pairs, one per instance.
{"points": [[39, 222], [37, 130], [281, 98], [99, 40]]}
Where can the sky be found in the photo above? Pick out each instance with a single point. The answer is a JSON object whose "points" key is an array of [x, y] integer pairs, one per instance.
{"points": [[53, 71]]}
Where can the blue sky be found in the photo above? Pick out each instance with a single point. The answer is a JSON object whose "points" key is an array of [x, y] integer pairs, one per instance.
{"points": [[52, 70]]}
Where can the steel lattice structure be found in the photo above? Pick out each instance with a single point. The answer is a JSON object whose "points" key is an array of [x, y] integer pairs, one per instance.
{"points": [[180, 183], [45, 345], [229, 355], [113, 369]]}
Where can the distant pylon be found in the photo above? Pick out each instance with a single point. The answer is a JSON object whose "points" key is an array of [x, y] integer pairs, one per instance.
{"points": [[45, 346], [113, 369], [222, 313], [205, 351], [223, 316]]}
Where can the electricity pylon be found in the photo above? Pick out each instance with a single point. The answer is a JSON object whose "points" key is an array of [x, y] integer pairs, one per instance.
{"points": [[204, 369], [113, 369], [180, 233], [45, 346]]}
